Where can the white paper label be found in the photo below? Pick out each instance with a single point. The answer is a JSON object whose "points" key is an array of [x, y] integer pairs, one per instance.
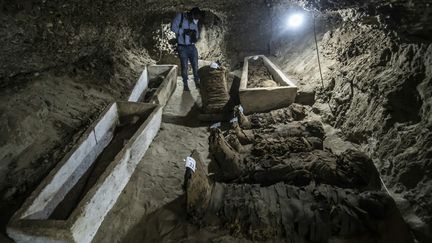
{"points": [[190, 163], [241, 109], [214, 65], [216, 125], [235, 119]]}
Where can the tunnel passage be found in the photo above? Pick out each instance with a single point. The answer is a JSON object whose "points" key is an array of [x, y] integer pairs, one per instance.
{"points": [[63, 62]]}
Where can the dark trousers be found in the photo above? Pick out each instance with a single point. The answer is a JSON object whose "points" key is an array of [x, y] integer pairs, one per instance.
{"points": [[188, 53]]}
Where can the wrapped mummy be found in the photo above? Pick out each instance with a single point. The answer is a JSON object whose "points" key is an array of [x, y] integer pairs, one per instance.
{"points": [[288, 213]]}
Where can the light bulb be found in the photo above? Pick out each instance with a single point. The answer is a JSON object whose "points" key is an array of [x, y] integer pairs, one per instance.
{"points": [[295, 20]]}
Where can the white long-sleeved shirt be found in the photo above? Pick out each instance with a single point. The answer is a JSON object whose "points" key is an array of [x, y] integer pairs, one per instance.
{"points": [[176, 28]]}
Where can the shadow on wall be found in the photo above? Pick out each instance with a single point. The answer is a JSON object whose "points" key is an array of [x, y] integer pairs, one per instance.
{"points": [[404, 102]]}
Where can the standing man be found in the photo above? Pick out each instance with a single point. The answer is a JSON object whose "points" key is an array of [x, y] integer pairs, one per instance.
{"points": [[185, 25]]}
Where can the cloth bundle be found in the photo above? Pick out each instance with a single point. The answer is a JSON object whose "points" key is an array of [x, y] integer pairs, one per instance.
{"points": [[214, 91]]}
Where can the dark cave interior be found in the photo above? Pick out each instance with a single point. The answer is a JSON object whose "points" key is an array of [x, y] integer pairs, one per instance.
{"points": [[64, 62]]}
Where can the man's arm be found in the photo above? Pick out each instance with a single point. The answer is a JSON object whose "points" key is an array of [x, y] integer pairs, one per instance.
{"points": [[198, 32], [197, 29], [175, 23]]}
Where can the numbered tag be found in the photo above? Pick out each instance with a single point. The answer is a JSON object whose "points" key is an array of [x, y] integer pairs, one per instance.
{"points": [[190, 163], [235, 119], [241, 109], [216, 125]]}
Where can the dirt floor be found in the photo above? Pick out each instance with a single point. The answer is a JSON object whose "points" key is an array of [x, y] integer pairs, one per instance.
{"points": [[150, 206]]}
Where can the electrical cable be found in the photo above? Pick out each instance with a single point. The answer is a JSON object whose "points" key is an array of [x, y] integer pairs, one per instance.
{"points": [[317, 51], [319, 61]]}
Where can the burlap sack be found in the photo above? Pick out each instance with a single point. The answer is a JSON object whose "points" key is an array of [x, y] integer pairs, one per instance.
{"points": [[242, 119], [198, 188], [226, 157], [214, 91]]}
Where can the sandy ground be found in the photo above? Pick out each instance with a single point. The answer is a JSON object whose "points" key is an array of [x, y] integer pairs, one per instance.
{"points": [[151, 206]]}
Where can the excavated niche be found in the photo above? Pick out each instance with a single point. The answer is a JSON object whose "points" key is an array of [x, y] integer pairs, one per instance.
{"points": [[263, 99], [72, 201], [155, 85]]}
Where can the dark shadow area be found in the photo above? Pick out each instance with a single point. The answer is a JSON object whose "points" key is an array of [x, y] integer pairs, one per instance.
{"points": [[191, 118], [7, 209], [170, 223], [234, 92], [153, 85], [150, 229], [404, 102]]}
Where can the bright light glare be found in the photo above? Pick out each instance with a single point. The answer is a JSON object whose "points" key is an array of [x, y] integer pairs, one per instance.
{"points": [[295, 20]]}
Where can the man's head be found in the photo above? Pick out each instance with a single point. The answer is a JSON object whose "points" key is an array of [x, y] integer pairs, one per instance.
{"points": [[196, 13]]}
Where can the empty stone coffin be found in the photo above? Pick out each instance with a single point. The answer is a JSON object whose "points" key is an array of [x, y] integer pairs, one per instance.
{"points": [[276, 91], [72, 201], [156, 84]]}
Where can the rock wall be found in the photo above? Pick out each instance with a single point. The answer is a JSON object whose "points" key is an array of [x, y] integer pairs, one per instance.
{"points": [[377, 80], [39, 35], [157, 35]]}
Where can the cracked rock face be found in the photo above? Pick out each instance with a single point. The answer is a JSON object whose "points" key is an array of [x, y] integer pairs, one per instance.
{"points": [[378, 85]]}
